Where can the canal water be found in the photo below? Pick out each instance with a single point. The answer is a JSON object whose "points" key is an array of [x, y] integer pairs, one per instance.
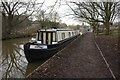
{"points": [[13, 61]]}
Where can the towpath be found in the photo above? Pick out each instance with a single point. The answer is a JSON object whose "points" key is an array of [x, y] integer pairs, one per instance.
{"points": [[80, 59]]}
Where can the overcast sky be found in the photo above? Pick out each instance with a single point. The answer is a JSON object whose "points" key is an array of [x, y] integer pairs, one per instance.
{"points": [[62, 9]]}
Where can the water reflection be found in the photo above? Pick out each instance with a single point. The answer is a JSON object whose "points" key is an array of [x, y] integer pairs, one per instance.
{"points": [[14, 63], [13, 59], [0, 59]]}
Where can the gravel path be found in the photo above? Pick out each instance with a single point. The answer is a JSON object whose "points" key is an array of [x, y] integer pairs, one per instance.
{"points": [[80, 59]]}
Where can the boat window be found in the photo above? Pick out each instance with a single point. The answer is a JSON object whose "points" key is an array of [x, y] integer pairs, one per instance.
{"points": [[39, 36], [54, 38], [69, 34], [44, 38], [49, 38], [73, 33], [63, 35]]}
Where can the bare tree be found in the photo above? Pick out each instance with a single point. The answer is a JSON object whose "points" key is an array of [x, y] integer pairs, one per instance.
{"points": [[47, 20], [118, 26], [95, 12], [41, 16], [54, 17], [14, 10], [48, 17]]}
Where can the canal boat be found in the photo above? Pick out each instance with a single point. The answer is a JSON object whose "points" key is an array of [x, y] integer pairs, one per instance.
{"points": [[48, 42]]}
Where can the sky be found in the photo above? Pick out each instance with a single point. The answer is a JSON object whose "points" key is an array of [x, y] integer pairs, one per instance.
{"points": [[63, 10]]}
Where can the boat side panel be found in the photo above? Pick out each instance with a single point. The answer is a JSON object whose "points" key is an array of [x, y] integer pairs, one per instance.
{"points": [[38, 54]]}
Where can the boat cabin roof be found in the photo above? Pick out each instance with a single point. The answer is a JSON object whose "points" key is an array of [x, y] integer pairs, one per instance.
{"points": [[53, 30]]}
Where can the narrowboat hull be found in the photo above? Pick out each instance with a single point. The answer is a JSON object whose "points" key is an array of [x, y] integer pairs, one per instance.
{"points": [[33, 55]]}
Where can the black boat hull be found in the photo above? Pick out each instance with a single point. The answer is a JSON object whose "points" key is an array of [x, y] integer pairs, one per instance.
{"points": [[39, 54]]}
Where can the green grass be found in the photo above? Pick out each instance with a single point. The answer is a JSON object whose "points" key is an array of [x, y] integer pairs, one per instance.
{"points": [[114, 32]]}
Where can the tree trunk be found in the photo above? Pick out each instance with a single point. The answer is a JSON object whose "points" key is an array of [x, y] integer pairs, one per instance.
{"points": [[94, 29], [10, 24], [118, 37], [107, 28], [97, 29]]}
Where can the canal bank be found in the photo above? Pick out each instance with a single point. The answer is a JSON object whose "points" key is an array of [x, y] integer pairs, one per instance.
{"points": [[80, 59], [18, 37]]}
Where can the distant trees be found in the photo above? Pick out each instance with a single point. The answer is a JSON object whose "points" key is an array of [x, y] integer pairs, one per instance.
{"points": [[41, 17], [48, 20], [96, 12], [54, 19]]}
